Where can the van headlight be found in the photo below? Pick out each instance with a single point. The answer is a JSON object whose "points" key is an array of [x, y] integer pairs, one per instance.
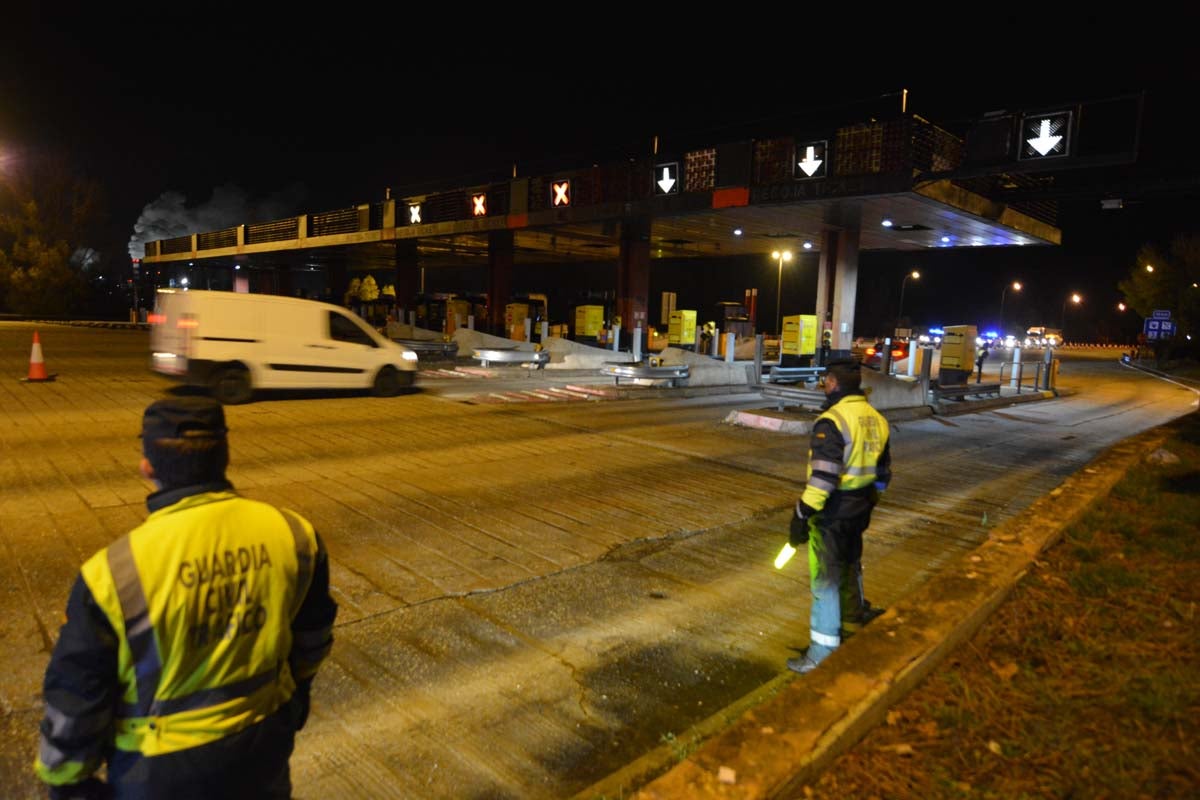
{"points": [[409, 355]]}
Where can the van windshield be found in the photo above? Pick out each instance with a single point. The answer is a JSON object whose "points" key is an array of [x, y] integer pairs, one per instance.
{"points": [[344, 329]]}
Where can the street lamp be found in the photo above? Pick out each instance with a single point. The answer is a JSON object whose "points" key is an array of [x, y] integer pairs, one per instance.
{"points": [[1016, 287], [780, 256], [915, 275], [1062, 324]]}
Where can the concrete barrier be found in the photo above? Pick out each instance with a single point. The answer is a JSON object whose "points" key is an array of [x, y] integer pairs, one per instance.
{"points": [[566, 354], [707, 371], [886, 391]]}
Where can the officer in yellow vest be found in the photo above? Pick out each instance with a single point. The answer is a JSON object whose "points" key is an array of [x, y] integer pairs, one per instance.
{"points": [[981, 354], [849, 466], [191, 642]]}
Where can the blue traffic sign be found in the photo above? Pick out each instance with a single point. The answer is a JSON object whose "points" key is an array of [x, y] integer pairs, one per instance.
{"points": [[1159, 328], [1160, 313]]}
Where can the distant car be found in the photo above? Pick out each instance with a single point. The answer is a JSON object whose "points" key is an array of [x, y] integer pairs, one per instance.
{"points": [[872, 355]]}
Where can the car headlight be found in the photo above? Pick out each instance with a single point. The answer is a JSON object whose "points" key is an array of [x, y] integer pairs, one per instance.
{"points": [[409, 355]]}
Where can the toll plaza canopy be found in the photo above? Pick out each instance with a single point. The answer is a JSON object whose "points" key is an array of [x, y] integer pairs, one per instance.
{"points": [[898, 184]]}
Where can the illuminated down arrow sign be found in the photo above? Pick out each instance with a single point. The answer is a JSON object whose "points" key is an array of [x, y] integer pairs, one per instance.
{"points": [[666, 178], [813, 163], [1046, 135], [810, 163], [1045, 142]]}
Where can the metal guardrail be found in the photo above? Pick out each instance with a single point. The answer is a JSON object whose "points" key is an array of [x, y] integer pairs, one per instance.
{"points": [[790, 395], [962, 390], [673, 374], [794, 374], [430, 347], [490, 355]]}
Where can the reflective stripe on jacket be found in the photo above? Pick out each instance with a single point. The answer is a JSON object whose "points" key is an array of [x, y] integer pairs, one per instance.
{"points": [[849, 451], [201, 597]]}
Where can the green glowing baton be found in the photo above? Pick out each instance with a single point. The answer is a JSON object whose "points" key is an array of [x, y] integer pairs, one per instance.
{"points": [[785, 555]]}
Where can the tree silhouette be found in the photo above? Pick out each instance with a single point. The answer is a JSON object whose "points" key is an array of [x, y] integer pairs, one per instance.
{"points": [[49, 218]]}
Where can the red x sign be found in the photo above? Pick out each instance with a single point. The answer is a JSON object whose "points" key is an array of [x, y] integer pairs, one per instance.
{"points": [[479, 202], [562, 193]]}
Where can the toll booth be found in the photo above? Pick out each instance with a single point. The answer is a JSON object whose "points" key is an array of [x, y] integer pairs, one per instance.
{"points": [[479, 309], [457, 311], [733, 318], [958, 354], [515, 315], [799, 344], [431, 311], [589, 321], [682, 330], [530, 307]]}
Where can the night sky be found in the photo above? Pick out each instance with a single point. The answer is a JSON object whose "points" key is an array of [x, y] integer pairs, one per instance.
{"points": [[319, 110]]}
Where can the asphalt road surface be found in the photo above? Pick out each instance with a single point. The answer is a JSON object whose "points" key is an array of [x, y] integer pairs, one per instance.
{"points": [[533, 594]]}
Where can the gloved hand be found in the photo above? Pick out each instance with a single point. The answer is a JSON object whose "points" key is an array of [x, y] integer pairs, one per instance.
{"points": [[875, 495], [798, 530]]}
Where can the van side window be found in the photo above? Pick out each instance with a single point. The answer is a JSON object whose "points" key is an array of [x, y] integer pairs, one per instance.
{"points": [[344, 329]]}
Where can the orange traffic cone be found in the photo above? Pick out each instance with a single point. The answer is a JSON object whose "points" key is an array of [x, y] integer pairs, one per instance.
{"points": [[37, 364]]}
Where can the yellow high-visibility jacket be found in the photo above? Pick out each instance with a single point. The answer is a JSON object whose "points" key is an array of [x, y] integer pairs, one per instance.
{"points": [[849, 452], [201, 598]]}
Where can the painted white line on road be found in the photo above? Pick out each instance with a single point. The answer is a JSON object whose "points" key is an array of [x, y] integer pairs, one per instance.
{"points": [[1153, 373]]}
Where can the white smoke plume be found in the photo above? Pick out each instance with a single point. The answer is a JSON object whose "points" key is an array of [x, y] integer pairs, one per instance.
{"points": [[169, 216]]}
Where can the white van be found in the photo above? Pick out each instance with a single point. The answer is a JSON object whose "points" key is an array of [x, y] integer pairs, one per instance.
{"points": [[235, 343]]}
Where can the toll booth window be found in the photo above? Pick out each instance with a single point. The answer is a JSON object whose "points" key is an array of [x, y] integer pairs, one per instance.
{"points": [[344, 329]]}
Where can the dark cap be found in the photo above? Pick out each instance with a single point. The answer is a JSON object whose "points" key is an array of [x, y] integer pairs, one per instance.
{"points": [[184, 418], [843, 363], [843, 366]]}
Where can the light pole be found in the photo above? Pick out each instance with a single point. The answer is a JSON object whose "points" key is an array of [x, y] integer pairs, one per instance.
{"points": [[780, 256], [1062, 324], [1016, 287], [915, 275]]}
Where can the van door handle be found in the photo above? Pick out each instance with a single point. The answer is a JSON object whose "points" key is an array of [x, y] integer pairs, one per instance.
{"points": [[322, 346]]}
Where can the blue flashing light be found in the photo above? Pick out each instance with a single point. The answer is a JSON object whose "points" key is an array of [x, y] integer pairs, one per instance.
{"points": [[937, 331], [991, 335]]}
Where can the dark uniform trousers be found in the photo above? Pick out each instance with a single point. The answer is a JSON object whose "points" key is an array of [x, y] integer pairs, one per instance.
{"points": [[837, 544]]}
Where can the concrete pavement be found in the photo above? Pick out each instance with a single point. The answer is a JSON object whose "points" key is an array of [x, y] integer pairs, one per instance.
{"points": [[532, 598]]}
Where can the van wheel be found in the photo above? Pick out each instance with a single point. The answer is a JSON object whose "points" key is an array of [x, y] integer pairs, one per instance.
{"points": [[387, 382], [231, 385]]}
